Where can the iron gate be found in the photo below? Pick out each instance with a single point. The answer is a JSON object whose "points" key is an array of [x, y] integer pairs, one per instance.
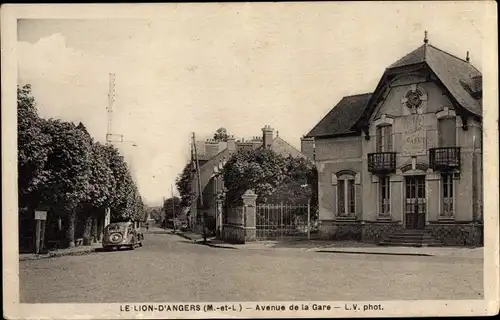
{"points": [[284, 221]]}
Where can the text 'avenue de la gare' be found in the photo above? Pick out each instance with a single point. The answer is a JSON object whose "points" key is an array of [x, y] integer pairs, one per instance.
{"points": [[240, 308]]}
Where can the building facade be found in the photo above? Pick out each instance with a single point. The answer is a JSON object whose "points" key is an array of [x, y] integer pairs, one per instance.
{"points": [[406, 157]]}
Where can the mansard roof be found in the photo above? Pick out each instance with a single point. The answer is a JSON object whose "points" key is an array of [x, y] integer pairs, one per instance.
{"points": [[459, 78], [284, 148], [342, 118], [454, 73]]}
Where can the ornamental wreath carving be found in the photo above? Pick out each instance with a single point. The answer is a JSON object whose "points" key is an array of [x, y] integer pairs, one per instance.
{"points": [[414, 98]]}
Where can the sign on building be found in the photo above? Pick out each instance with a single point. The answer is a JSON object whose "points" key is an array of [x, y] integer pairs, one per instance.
{"points": [[414, 143], [40, 215]]}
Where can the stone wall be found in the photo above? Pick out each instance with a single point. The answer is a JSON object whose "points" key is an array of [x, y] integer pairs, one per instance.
{"points": [[378, 231], [233, 234], [462, 234], [340, 230]]}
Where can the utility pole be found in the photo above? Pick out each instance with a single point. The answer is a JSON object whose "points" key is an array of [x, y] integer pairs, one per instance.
{"points": [[164, 209], [173, 206], [200, 195], [109, 109]]}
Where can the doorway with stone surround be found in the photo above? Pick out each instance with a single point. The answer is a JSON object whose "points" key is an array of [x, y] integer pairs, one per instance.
{"points": [[415, 202]]}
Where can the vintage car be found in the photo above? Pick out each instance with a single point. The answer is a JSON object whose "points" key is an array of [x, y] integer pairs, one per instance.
{"points": [[122, 235]]}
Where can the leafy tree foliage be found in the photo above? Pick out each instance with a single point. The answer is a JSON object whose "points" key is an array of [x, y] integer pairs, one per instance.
{"points": [[273, 177], [184, 185], [170, 205], [33, 150], [155, 213], [221, 134], [63, 169], [69, 166]]}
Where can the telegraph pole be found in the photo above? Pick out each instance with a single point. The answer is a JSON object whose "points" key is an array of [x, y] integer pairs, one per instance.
{"points": [[109, 109], [200, 195], [173, 206], [164, 209]]}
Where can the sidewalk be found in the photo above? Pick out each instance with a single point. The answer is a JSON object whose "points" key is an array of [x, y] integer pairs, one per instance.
{"points": [[456, 252], [61, 252], [341, 247]]}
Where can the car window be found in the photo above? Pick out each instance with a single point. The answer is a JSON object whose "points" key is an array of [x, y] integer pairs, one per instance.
{"points": [[115, 228]]}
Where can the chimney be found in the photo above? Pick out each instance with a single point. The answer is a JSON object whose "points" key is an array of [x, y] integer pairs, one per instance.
{"points": [[231, 144], [476, 87], [211, 148], [256, 142], [267, 136], [467, 58], [307, 147]]}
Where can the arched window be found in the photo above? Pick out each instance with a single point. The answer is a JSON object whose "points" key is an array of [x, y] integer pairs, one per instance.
{"points": [[383, 133], [346, 190], [384, 138]]}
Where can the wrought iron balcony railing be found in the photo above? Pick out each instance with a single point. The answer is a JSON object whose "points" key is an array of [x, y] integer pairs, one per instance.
{"points": [[382, 162], [444, 159]]}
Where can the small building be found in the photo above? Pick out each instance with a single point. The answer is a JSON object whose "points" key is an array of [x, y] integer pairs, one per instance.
{"points": [[407, 156]]}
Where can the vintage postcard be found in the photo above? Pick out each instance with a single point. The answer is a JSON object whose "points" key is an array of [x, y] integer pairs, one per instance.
{"points": [[257, 160]]}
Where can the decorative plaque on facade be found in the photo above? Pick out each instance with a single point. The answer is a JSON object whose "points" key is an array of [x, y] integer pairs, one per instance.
{"points": [[414, 135]]}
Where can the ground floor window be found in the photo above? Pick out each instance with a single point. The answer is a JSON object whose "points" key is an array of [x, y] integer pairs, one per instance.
{"points": [[346, 196], [385, 195], [447, 195]]}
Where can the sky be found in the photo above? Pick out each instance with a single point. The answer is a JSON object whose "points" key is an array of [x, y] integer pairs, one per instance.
{"points": [[239, 66]]}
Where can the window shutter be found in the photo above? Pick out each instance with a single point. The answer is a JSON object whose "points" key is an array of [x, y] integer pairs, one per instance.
{"points": [[351, 197], [388, 135], [447, 132], [379, 139], [357, 202], [341, 197]]}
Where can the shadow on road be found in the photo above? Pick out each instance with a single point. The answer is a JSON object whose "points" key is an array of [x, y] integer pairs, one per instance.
{"points": [[208, 244]]}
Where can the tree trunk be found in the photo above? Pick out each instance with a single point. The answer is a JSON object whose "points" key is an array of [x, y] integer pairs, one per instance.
{"points": [[100, 227], [87, 228], [93, 233], [70, 232]]}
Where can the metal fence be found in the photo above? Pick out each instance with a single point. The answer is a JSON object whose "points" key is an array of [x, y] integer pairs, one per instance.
{"points": [[285, 221]]}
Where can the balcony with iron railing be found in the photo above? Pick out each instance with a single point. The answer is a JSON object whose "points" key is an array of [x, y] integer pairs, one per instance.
{"points": [[382, 162], [444, 159]]}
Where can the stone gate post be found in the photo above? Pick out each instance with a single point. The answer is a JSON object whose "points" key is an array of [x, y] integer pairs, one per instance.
{"points": [[250, 211], [240, 225]]}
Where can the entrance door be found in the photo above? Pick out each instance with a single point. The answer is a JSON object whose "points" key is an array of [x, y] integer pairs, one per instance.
{"points": [[415, 202]]}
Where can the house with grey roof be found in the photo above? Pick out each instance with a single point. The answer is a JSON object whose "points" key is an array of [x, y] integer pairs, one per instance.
{"points": [[212, 158], [403, 164]]}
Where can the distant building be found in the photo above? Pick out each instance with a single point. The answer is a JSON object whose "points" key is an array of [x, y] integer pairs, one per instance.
{"points": [[406, 157]]}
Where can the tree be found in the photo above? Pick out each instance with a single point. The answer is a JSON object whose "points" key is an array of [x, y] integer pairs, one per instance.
{"points": [[261, 170], [101, 188], [33, 150], [169, 207], [69, 166], [32, 144], [184, 185], [156, 213], [63, 169], [273, 177], [221, 134]]}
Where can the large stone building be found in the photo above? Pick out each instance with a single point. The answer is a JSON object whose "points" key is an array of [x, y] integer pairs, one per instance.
{"points": [[406, 157]]}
